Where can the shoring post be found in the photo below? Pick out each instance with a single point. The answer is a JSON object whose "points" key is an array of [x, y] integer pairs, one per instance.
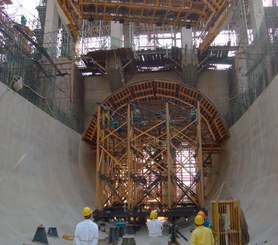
{"points": [[169, 159], [102, 155], [72, 81], [129, 156], [200, 157], [98, 204]]}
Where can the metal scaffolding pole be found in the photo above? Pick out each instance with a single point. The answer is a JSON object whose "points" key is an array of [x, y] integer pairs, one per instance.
{"points": [[200, 157]]}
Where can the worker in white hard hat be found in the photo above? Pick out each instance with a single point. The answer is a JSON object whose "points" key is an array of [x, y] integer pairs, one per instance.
{"points": [[155, 228], [86, 232], [201, 235]]}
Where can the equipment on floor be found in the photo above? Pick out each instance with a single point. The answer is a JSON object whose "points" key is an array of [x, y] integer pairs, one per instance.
{"points": [[40, 235], [226, 226], [68, 236], [52, 231], [128, 241], [114, 235]]}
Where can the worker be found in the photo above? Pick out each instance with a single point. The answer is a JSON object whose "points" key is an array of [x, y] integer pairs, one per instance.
{"points": [[201, 235], [23, 20], [202, 213], [155, 228], [86, 232], [206, 221]]}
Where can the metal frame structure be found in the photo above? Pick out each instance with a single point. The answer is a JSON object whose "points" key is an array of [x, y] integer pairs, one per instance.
{"points": [[226, 217], [152, 140], [48, 80], [208, 16], [226, 221]]}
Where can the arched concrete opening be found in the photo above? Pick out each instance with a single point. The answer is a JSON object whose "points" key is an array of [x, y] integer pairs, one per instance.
{"points": [[153, 142]]}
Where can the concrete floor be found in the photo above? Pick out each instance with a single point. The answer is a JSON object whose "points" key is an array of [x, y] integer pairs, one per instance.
{"points": [[46, 176]]}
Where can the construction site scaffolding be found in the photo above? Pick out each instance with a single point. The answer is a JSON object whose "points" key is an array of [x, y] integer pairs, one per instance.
{"points": [[43, 62], [149, 154]]}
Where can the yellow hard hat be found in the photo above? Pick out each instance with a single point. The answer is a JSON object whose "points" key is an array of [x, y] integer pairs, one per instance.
{"points": [[68, 236], [199, 220], [153, 214], [87, 211]]}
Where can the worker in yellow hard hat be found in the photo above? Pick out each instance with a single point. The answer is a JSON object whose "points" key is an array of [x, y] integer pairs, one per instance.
{"points": [[155, 228], [201, 235], [206, 221], [86, 232]]}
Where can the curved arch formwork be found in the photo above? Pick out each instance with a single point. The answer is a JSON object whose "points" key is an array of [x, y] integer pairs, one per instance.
{"points": [[153, 140]]}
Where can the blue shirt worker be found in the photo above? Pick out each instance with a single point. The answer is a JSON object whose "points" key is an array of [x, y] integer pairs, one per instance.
{"points": [[23, 20], [86, 232], [201, 235]]}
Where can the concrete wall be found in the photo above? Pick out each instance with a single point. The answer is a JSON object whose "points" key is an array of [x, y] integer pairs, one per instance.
{"points": [[249, 164], [96, 89], [216, 86], [257, 19], [155, 75], [51, 25], [44, 172]]}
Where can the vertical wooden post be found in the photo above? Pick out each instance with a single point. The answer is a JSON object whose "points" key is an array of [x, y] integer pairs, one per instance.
{"points": [[169, 158], [103, 159], [200, 157], [129, 157], [98, 160]]}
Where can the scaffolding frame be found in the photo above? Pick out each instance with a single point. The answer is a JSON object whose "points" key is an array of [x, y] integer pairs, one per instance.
{"points": [[207, 16], [149, 138], [136, 152], [47, 79]]}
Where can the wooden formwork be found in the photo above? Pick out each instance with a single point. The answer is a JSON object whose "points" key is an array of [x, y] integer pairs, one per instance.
{"points": [[151, 139], [145, 158], [206, 16], [159, 90]]}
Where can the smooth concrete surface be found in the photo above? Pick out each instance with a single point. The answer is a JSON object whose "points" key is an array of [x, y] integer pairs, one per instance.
{"points": [[51, 25], [249, 165], [46, 174], [171, 76], [257, 17], [96, 89], [216, 86]]}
